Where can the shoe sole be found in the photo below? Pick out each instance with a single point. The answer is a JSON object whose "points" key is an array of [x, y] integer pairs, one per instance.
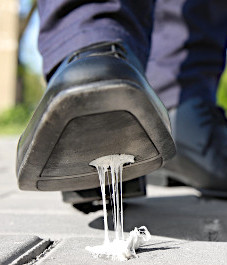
{"points": [[85, 122]]}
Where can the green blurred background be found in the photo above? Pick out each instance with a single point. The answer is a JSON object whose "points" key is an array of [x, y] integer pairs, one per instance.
{"points": [[22, 83], [19, 26]]}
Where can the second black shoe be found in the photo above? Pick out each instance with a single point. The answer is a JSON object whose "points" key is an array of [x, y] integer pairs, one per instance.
{"points": [[200, 134]]}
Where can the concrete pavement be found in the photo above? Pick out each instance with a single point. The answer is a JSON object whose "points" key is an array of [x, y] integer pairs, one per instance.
{"points": [[38, 228]]}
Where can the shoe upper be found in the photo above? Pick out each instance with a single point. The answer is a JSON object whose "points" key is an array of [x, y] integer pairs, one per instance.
{"points": [[200, 133], [91, 63], [103, 61]]}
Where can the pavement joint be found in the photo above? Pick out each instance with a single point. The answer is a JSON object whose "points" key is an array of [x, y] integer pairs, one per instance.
{"points": [[35, 253]]}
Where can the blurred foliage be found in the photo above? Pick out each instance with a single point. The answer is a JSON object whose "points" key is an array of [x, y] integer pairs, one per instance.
{"points": [[222, 91], [32, 86], [15, 119]]}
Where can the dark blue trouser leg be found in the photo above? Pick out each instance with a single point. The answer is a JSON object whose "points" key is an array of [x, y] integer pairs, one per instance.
{"points": [[188, 49], [188, 44], [67, 25]]}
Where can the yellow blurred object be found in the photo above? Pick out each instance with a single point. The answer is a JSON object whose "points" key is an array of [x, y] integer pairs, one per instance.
{"points": [[8, 52]]}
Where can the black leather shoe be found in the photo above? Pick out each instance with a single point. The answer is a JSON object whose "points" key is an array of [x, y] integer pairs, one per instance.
{"points": [[97, 103], [200, 134]]}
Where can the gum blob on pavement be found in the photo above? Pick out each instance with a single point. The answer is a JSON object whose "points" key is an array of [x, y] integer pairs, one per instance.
{"points": [[119, 248]]}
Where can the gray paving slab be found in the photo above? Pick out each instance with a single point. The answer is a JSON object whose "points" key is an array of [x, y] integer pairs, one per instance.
{"points": [[53, 226], [13, 246], [176, 213], [157, 251], [183, 217]]}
